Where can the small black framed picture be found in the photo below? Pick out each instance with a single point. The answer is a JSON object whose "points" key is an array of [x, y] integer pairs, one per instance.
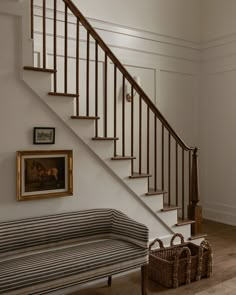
{"points": [[44, 135]]}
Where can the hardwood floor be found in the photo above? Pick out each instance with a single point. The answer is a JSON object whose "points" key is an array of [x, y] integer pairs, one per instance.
{"points": [[223, 241]]}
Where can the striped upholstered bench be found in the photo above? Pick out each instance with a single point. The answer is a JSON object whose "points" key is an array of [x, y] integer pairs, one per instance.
{"points": [[44, 254]]}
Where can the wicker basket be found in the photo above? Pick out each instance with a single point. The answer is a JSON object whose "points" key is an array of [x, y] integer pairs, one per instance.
{"points": [[179, 264]]}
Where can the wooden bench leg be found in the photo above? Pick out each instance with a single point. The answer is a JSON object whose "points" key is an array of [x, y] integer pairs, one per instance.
{"points": [[109, 281], [144, 280]]}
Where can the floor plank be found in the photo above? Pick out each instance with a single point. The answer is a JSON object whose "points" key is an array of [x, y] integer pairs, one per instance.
{"points": [[223, 240]]}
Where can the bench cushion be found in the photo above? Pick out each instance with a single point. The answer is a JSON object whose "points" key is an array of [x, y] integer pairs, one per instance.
{"points": [[68, 265]]}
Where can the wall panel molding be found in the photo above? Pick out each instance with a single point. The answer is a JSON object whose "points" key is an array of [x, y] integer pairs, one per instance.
{"points": [[217, 42], [134, 39], [222, 48], [126, 30], [179, 72]]}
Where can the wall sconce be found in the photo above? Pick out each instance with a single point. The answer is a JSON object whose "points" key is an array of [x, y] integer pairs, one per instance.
{"points": [[129, 97]]}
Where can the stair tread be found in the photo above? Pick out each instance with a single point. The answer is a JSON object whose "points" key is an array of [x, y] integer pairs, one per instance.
{"points": [[169, 208], [123, 158], [85, 117], [105, 138], [152, 192], [184, 222], [63, 94], [138, 175], [27, 68], [198, 236]]}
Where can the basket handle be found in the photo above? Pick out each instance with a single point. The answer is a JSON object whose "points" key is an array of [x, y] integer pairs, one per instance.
{"points": [[154, 242], [175, 236], [205, 245], [176, 266]]}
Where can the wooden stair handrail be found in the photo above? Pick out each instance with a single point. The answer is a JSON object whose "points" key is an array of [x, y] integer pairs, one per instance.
{"points": [[127, 75]]}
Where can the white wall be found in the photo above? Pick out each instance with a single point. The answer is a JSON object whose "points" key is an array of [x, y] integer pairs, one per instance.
{"points": [[163, 61], [217, 109], [218, 18]]}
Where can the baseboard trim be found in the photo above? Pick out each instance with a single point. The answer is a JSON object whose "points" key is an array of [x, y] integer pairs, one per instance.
{"points": [[219, 216]]}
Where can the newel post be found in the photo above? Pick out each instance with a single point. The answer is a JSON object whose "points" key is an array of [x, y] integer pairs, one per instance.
{"points": [[194, 210]]}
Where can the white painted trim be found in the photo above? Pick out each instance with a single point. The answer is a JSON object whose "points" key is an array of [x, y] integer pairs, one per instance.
{"points": [[219, 41], [208, 58], [220, 48], [221, 71], [220, 213], [179, 73], [148, 51]]}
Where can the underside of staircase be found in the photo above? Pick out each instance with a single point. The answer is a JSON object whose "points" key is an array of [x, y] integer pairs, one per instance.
{"points": [[94, 129]]}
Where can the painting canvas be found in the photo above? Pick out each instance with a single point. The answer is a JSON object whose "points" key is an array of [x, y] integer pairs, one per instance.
{"points": [[44, 174]]}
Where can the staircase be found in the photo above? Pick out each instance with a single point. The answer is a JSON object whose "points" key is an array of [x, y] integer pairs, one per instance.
{"points": [[109, 111]]}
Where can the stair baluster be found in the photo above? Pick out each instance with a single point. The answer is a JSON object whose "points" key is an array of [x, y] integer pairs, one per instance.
{"points": [[96, 87], [123, 116], [44, 34], [140, 134], [177, 175], [77, 75], [105, 96], [163, 157], [66, 50], [115, 109], [169, 170], [132, 129], [87, 73], [155, 153], [183, 186], [32, 18]]}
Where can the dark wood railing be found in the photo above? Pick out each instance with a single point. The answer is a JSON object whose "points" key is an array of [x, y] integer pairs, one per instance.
{"points": [[152, 144]]}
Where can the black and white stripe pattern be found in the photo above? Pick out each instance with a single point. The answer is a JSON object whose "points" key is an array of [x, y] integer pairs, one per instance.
{"points": [[32, 232], [34, 256]]}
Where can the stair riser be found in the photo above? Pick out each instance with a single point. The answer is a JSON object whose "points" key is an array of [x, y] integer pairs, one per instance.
{"points": [[185, 230], [104, 149], [121, 168], [83, 128], [155, 202], [32, 79], [60, 105], [169, 217], [137, 185]]}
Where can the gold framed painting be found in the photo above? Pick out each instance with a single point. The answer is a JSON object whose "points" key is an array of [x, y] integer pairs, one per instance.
{"points": [[44, 174]]}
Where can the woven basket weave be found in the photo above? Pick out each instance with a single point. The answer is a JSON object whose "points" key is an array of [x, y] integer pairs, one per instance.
{"points": [[179, 264]]}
